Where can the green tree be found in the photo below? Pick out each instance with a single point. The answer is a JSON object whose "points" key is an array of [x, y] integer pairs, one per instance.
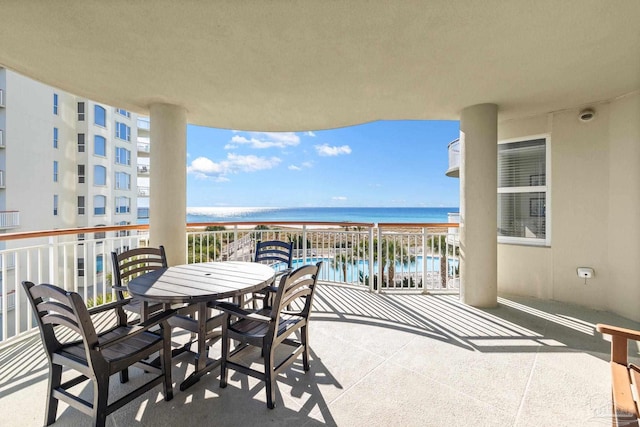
{"points": [[340, 262], [438, 243], [392, 252]]}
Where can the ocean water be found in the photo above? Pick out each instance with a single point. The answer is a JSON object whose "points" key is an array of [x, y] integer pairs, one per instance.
{"points": [[374, 215]]}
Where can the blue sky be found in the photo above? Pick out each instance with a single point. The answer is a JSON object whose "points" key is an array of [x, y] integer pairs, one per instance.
{"points": [[379, 164]]}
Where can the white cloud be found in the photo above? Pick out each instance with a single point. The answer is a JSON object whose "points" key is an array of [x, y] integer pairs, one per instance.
{"points": [[205, 168], [261, 140], [327, 150], [230, 146], [311, 134], [340, 198], [303, 165]]}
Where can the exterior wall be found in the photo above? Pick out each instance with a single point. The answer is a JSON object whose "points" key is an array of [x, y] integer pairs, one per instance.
{"points": [[595, 201]]}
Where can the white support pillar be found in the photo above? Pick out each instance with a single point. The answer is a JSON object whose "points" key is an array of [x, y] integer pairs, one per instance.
{"points": [[168, 181], [479, 205]]}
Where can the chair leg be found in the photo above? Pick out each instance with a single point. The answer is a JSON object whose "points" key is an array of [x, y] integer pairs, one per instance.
{"points": [[55, 379], [124, 375], [269, 377], [305, 342], [224, 357], [100, 400], [165, 357]]}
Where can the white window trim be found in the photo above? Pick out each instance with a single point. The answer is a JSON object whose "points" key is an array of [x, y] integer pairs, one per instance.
{"points": [[529, 241]]}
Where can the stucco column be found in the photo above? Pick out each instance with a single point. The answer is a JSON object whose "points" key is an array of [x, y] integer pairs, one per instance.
{"points": [[479, 205], [168, 181]]}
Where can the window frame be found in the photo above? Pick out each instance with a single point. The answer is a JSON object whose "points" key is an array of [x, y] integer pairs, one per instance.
{"points": [[95, 174], [120, 126], [546, 189], [97, 108], [95, 145], [118, 174], [95, 205], [81, 114], [126, 206], [55, 137], [81, 206], [55, 204], [55, 171], [82, 142], [55, 103], [118, 157]]}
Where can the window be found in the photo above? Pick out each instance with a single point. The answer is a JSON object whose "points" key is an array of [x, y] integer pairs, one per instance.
{"points": [[123, 156], [80, 237], [55, 204], [99, 264], [55, 137], [99, 205], [81, 143], [99, 175], [80, 267], [100, 116], [123, 131], [523, 191], [123, 233], [123, 112], [81, 111], [123, 181], [123, 205], [55, 171], [100, 146], [80, 205], [55, 104], [80, 174]]}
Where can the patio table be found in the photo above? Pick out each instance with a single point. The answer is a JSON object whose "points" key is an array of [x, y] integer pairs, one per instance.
{"points": [[200, 284]]}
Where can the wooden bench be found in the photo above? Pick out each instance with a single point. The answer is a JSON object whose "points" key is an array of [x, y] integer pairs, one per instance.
{"points": [[625, 376]]}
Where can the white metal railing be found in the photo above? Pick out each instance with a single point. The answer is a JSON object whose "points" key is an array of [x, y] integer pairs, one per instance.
{"points": [[144, 147], [143, 123], [10, 298], [9, 219], [143, 169], [143, 191], [2, 138], [1, 98], [2, 179], [454, 158], [382, 258]]}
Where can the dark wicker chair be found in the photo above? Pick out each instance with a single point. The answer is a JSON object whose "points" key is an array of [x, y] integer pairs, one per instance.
{"points": [[277, 254], [270, 327], [131, 264], [96, 356]]}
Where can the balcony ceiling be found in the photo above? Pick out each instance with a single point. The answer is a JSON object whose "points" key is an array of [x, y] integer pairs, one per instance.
{"points": [[306, 65]]}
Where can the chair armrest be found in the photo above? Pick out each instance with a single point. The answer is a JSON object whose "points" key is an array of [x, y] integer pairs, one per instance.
{"points": [[272, 289], [245, 314], [619, 332], [138, 329], [109, 306], [120, 288]]}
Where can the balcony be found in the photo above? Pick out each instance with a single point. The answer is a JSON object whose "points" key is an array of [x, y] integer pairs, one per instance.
{"points": [[1, 98], [143, 191], [9, 219], [454, 159], [2, 139], [2, 179], [144, 147], [143, 169], [144, 124], [379, 354]]}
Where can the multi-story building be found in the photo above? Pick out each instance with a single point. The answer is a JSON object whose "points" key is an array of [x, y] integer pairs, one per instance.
{"points": [[65, 162]]}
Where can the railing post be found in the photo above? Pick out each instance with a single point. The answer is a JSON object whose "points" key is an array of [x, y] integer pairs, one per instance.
{"points": [[52, 261], [425, 248], [4, 299], [380, 260], [304, 243]]}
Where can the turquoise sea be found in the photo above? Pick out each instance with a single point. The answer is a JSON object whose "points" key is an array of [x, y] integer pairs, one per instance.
{"points": [[375, 215]]}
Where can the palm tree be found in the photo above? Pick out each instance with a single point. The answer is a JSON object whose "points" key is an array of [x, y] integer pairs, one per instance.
{"points": [[340, 261], [392, 251], [440, 245]]}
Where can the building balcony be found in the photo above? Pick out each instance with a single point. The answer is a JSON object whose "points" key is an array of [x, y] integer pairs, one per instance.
{"points": [[454, 159], [9, 219], [1, 98], [143, 191], [2, 139], [2, 179], [144, 147], [143, 170], [378, 355]]}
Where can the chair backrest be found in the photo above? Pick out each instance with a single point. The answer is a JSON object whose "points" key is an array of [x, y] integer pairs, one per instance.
{"points": [[134, 262], [55, 307], [273, 252], [295, 294]]}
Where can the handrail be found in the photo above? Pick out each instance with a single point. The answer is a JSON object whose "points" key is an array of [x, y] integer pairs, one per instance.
{"points": [[102, 229]]}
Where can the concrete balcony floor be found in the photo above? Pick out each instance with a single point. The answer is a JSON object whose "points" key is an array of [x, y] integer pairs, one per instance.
{"points": [[388, 360]]}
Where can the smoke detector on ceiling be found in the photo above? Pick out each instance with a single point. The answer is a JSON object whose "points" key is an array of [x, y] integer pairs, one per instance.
{"points": [[587, 115]]}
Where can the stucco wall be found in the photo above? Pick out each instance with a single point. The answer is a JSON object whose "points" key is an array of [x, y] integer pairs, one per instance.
{"points": [[595, 206]]}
